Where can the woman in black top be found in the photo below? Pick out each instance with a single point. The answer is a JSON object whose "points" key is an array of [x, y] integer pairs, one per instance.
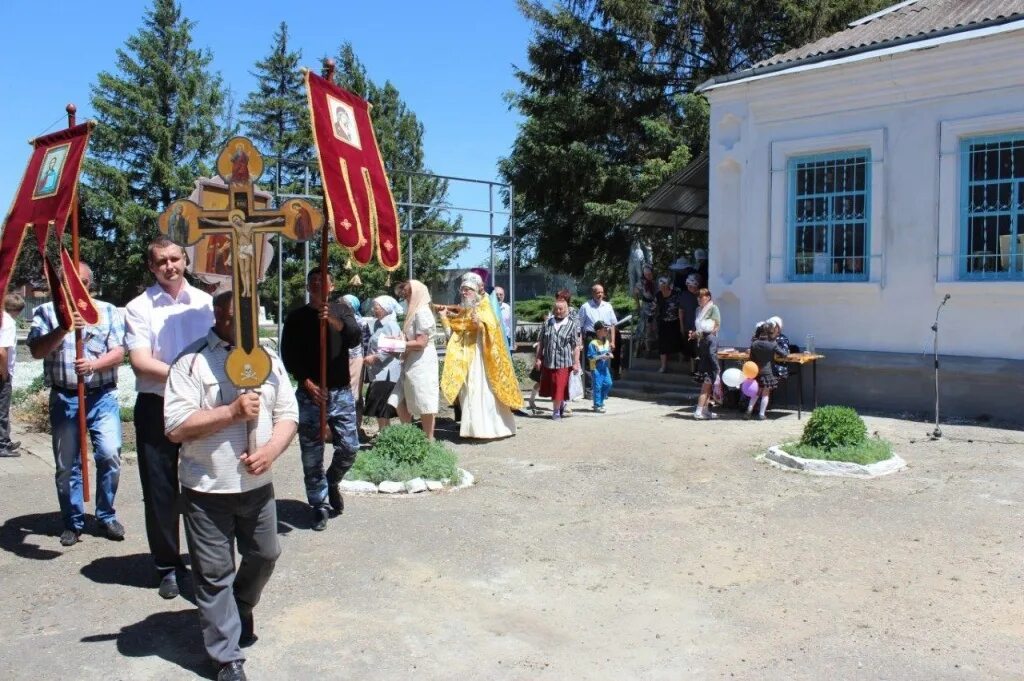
{"points": [[669, 314]]}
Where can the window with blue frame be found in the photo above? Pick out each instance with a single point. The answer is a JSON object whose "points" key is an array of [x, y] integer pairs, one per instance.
{"points": [[829, 216], [992, 207]]}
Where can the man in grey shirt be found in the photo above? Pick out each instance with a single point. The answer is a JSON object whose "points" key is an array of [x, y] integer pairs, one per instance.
{"points": [[227, 491]]}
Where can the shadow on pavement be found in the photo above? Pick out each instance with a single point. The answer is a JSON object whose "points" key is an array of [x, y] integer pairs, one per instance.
{"points": [[171, 635], [292, 514], [15, 532]]}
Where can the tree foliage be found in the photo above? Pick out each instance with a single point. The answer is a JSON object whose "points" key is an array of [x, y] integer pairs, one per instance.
{"points": [[610, 109], [158, 115]]}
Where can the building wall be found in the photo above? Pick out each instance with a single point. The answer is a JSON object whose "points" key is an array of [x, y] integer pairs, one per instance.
{"points": [[911, 109]]}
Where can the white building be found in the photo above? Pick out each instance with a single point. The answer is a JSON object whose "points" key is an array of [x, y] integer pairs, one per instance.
{"points": [[856, 181]]}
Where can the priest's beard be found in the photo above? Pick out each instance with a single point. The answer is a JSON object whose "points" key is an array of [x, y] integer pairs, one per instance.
{"points": [[470, 299]]}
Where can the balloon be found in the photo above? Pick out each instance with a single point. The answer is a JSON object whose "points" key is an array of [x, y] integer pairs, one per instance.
{"points": [[732, 377], [750, 387], [750, 369]]}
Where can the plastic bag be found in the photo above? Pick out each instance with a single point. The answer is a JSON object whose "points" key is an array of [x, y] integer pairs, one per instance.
{"points": [[575, 386]]}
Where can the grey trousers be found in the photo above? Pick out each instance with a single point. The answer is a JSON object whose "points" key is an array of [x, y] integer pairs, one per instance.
{"points": [[5, 412], [213, 523]]}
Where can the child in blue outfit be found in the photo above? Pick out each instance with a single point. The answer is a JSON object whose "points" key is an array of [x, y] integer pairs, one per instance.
{"points": [[599, 355]]}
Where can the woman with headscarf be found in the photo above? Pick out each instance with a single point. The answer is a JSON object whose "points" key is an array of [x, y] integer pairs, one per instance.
{"points": [[707, 323], [478, 370], [644, 293], [418, 387], [383, 368], [558, 354]]}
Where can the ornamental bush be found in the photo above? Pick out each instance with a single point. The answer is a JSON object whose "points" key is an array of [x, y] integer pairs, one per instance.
{"points": [[832, 427], [403, 452]]}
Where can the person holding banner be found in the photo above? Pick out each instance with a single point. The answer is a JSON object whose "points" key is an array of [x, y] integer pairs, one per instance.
{"points": [[103, 351], [227, 490], [300, 350]]}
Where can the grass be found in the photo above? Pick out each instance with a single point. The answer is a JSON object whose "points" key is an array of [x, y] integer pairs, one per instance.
{"points": [[872, 450], [402, 452]]}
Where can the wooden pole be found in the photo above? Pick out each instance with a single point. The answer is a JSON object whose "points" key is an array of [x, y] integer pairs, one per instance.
{"points": [[328, 73], [83, 447]]}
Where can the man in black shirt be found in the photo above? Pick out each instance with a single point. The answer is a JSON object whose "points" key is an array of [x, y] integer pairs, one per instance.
{"points": [[300, 350]]}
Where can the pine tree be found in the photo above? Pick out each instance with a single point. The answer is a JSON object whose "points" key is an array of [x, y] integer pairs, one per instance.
{"points": [[610, 110], [276, 116], [158, 129]]}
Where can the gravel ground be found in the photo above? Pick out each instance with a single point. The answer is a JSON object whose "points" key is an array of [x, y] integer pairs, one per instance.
{"points": [[638, 544]]}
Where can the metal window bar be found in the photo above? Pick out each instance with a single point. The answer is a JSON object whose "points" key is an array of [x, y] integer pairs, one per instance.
{"points": [[992, 208], [829, 217]]}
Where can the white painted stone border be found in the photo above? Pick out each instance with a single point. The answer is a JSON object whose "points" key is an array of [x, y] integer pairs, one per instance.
{"points": [[778, 457], [407, 488]]}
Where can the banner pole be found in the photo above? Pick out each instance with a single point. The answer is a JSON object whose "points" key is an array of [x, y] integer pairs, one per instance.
{"points": [[328, 73], [83, 448]]}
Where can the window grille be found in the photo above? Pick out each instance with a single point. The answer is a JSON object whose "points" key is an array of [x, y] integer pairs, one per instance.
{"points": [[829, 216], [992, 208]]}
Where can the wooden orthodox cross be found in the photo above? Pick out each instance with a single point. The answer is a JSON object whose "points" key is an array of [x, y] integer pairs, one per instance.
{"points": [[240, 165]]}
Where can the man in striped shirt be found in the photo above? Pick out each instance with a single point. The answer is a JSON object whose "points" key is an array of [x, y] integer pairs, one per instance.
{"points": [[227, 490], [103, 351]]}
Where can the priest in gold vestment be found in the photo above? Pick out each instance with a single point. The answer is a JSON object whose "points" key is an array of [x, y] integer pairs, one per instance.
{"points": [[478, 368]]}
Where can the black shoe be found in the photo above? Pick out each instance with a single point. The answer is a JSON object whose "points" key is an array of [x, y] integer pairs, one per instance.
{"points": [[335, 499], [248, 636], [169, 586], [14, 446], [69, 537], [9, 453], [232, 671], [320, 516], [112, 530]]}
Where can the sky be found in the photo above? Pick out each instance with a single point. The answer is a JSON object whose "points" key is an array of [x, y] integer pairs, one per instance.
{"points": [[451, 60]]}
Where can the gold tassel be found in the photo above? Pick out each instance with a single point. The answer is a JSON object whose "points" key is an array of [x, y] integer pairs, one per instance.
{"points": [[348, 264], [388, 282], [355, 281]]}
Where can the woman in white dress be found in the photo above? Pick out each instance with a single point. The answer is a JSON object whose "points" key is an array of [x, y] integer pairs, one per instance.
{"points": [[418, 387]]}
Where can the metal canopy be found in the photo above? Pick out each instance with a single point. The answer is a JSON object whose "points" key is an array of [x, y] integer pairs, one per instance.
{"points": [[681, 202]]}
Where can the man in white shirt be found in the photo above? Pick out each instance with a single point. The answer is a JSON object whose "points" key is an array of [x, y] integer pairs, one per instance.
{"points": [[597, 309], [505, 316], [227, 491], [160, 323], [13, 305]]}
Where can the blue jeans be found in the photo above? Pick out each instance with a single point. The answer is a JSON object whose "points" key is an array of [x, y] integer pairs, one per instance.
{"points": [[341, 420], [103, 420]]}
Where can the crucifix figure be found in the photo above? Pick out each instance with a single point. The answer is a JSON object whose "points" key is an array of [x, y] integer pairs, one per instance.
{"points": [[244, 225]]}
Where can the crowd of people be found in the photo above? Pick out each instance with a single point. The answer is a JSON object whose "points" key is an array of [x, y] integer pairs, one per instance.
{"points": [[196, 464]]}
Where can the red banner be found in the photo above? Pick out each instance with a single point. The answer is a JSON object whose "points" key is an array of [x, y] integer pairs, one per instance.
{"points": [[43, 201], [356, 188]]}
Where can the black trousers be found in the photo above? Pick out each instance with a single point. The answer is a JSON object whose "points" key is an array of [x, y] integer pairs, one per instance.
{"points": [[5, 412], [158, 472]]}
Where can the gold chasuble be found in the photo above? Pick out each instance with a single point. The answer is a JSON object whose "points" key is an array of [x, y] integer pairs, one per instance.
{"points": [[497, 362]]}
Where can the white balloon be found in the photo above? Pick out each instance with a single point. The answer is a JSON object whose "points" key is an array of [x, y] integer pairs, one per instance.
{"points": [[732, 377]]}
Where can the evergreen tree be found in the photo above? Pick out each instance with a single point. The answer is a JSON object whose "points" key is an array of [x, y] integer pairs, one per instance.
{"points": [[610, 110], [276, 115], [158, 128]]}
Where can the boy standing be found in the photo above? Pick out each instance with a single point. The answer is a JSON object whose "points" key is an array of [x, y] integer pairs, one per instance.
{"points": [[13, 305], [599, 356]]}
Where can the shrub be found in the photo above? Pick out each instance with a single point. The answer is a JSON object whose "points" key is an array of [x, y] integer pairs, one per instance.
{"points": [[127, 414], [832, 427], [33, 411], [522, 368], [403, 452], [21, 394]]}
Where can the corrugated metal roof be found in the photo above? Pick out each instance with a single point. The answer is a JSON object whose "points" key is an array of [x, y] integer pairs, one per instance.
{"points": [[903, 22], [906, 20], [681, 202]]}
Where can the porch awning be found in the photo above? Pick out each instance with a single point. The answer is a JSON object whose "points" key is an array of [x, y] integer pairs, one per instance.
{"points": [[681, 202]]}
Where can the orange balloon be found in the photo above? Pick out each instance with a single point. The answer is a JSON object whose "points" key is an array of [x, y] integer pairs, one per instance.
{"points": [[750, 369]]}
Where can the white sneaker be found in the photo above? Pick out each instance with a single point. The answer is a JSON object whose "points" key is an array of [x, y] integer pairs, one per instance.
{"points": [[699, 416]]}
